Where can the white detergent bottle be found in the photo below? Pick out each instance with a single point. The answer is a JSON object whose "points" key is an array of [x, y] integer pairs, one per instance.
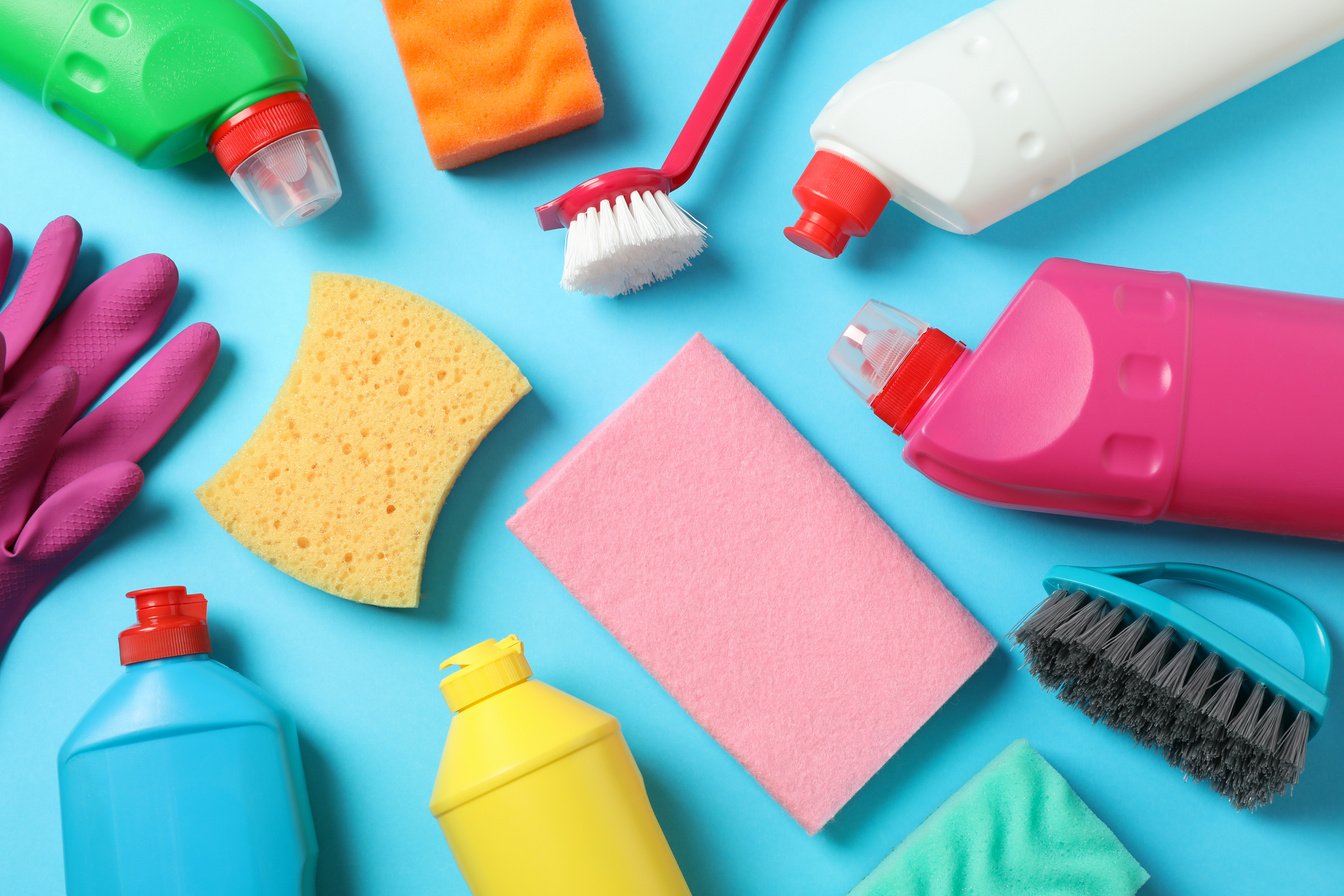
{"points": [[1018, 98]]}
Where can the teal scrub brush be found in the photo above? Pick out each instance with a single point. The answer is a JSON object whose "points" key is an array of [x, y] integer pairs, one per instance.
{"points": [[1220, 710]]}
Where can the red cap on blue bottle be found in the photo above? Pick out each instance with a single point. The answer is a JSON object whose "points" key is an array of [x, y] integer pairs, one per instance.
{"points": [[171, 623]]}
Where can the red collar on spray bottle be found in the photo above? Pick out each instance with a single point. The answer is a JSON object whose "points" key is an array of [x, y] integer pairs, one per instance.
{"points": [[914, 381], [261, 124], [171, 623]]}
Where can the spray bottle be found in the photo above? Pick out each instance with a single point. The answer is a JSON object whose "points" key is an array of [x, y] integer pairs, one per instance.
{"points": [[1123, 394], [538, 793], [184, 778], [1016, 100], [164, 81]]}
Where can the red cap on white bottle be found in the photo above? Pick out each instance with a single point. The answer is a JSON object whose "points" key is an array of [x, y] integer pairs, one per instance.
{"points": [[840, 199]]}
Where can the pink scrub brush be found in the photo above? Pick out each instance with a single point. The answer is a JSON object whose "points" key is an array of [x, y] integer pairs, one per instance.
{"points": [[625, 232]]}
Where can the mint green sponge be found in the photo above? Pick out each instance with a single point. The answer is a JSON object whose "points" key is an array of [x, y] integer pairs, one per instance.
{"points": [[1015, 829]]}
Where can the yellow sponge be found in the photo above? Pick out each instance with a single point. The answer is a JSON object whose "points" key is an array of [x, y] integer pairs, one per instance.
{"points": [[492, 75], [342, 481]]}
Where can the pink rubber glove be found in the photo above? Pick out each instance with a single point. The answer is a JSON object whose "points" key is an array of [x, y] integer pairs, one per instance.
{"points": [[63, 477]]}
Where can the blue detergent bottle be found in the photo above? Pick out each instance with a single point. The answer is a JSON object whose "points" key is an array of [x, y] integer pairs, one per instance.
{"points": [[184, 778]]}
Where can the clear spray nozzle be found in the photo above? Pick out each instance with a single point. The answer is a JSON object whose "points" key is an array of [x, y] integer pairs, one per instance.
{"points": [[894, 361], [275, 153], [291, 180], [873, 346]]}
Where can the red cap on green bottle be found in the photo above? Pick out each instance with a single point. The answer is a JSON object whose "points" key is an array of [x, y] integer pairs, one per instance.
{"points": [[275, 153]]}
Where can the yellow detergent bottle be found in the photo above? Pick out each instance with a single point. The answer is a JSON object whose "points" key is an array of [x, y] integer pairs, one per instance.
{"points": [[537, 792]]}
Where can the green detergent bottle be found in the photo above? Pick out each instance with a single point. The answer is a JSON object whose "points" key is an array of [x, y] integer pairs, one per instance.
{"points": [[164, 81]]}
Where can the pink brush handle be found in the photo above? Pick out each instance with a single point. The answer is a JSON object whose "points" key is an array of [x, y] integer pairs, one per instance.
{"points": [[718, 93], [694, 136]]}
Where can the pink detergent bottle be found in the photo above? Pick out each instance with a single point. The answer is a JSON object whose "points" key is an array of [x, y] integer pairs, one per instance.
{"points": [[1123, 394]]}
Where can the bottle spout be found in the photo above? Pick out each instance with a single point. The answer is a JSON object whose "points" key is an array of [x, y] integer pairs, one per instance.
{"points": [[873, 346], [893, 361], [275, 153], [485, 652], [169, 622], [483, 669], [840, 199]]}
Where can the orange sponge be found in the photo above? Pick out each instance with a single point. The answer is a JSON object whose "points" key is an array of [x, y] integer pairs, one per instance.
{"points": [[488, 76]]}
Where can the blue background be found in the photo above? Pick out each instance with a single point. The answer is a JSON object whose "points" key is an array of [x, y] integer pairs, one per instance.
{"points": [[1249, 193]]}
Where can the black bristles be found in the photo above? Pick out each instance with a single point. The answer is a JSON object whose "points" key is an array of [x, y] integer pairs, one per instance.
{"points": [[1224, 699], [1036, 635], [1106, 689], [1076, 626], [1148, 661], [1198, 685], [1088, 670], [1240, 770], [1188, 690], [1244, 721], [1057, 607], [1100, 634], [1124, 645], [1228, 731], [1265, 734], [1172, 676], [1293, 745]]}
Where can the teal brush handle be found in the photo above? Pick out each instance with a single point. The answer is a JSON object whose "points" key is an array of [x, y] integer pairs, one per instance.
{"points": [[1317, 657], [1124, 583]]}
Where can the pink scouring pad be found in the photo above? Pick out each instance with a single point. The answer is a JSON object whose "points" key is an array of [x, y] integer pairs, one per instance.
{"points": [[752, 582]]}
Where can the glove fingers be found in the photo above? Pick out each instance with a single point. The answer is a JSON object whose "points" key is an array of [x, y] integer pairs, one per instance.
{"points": [[44, 279], [104, 328], [6, 256], [129, 423], [29, 433], [64, 524]]}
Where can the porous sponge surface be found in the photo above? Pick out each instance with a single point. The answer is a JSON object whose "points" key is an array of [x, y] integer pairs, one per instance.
{"points": [[488, 76], [1015, 829], [752, 582], [341, 483]]}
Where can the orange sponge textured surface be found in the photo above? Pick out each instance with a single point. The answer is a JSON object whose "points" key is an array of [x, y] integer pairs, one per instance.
{"points": [[488, 76]]}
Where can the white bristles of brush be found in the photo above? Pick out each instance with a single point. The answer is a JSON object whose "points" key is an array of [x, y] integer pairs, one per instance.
{"points": [[627, 244]]}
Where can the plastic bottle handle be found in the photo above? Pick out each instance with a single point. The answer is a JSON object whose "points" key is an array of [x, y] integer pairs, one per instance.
{"points": [[718, 93], [1305, 624]]}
